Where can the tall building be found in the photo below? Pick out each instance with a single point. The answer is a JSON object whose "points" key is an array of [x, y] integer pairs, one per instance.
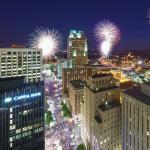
{"points": [[69, 74], [21, 62], [21, 114], [76, 91], [136, 118], [77, 48], [80, 73], [101, 113]]}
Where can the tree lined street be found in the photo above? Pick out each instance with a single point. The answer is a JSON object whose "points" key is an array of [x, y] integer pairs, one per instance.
{"points": [[64, 131]]}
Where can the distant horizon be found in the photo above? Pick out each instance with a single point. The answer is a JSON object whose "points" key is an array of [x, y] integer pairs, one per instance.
{"points": [[21, 18], [65, 49]]}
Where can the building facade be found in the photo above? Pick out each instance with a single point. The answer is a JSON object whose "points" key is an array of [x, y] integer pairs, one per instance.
{"points": [[80, 73], [69, 74], [101, 113], [21, 62], [76, 91], [21, 114], [136, 118], [77, 48]]}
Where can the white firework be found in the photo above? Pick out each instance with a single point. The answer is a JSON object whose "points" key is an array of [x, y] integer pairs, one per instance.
{"points": [[107, 30], [105, 47], [107, 34], [47, 40]]}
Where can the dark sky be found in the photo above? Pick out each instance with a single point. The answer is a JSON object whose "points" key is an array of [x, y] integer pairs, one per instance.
{"points": [[18, 18]]}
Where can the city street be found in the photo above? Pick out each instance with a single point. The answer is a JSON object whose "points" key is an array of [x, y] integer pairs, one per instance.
{"points": [[64, 134]]}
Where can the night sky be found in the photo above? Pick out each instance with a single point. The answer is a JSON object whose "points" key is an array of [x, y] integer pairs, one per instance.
{"points": [[18, 18]]}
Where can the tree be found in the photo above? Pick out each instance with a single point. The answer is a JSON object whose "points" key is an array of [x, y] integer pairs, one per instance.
{"points": [[81, 147], [65, 110], [52, 68], [49, 117]]}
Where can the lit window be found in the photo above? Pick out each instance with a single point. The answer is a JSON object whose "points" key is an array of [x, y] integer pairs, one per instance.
{"points": [[25, 112], [10, 139], [12, 127], [11, 121], [11, 109], [25, 129], [147, 133], [11, 144], [18, 131], [10, 116], [18, 136]]}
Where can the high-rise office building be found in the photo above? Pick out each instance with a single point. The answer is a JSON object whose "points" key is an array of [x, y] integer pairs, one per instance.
{"points": [[101, 113], [136, 118], [21, 114], [21, 62], [76, 91], [77, 48], [80, 73], [69, 74]]}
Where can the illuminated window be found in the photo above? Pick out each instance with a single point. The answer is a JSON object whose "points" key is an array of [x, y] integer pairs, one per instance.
{"points": [[11, 116], [10, 139], [18, 136], [18, 131], [25, 112], [74, 53], [36, 130], [12, 127], [11, 145], [11, 109], [11, 121], [25, 129]]}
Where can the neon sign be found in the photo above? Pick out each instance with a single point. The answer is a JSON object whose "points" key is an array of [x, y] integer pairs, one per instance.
{"points": [[16, 98]]}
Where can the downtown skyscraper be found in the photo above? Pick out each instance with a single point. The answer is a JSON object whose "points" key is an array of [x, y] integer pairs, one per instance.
{"points": [[101, 113], [21, 99], [136, 118], [77, 48]]}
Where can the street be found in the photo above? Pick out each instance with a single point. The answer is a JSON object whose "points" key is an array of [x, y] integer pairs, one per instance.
{"points": [[64, 134]]}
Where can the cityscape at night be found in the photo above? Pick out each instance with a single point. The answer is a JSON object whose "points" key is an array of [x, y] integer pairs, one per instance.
{"points": [[75, 75]]}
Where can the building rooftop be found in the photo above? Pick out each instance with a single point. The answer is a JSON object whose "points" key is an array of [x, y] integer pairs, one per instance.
{"points": [[109, 105], [102, 89], [12, 83], [137, 94], [11, 49], [101, 75], [98, 120], [79, 84], [12, 78]]}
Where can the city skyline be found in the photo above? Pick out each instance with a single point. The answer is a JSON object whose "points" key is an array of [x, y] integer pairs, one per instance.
{"points": [[22, 18]]}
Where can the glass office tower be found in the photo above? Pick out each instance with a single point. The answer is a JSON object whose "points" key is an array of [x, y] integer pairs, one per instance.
{"points": [[21, 114]]}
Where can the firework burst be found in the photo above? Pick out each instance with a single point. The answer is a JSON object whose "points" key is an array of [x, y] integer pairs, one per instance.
{"points": [[107, 34], [47, 40]]}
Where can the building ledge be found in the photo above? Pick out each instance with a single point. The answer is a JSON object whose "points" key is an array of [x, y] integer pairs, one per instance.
{"points": [[109, 105]]}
